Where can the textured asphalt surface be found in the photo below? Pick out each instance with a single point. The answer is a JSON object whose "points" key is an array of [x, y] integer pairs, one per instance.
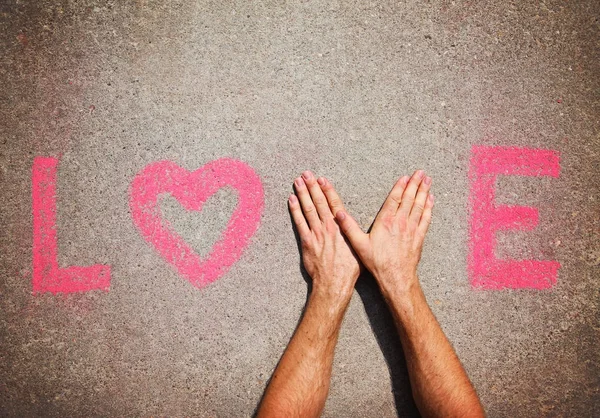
{"points": [[360, 92]]}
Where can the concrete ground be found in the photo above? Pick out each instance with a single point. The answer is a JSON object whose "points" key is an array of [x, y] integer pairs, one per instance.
{"points": [[360, 92]]}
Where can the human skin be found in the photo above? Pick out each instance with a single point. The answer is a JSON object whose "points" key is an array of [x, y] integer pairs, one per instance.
{"points": [[300, 383], [391, 251]]}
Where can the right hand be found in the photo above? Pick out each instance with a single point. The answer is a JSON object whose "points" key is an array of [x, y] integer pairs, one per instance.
{"points": [[392, 250]]}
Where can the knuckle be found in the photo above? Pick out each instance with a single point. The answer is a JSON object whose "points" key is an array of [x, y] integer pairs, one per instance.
{"points": [[319, 200], [407, 205], [418, 206], [388, 222], [402, 223], [396, 199], [412, 228], [319, 235], [309, 209], [331, 225], [306, 243]]}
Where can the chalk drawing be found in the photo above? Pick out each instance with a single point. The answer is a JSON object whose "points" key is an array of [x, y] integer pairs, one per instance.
{"points": [[47, 275], [485, 270], [192, 190]]}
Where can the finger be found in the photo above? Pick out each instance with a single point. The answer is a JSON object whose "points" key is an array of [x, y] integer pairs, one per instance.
{"points": [[426, 216], [317, 196], [298, 217], [410, 193], [358, 239], [333, 199], [308, 208], [392, 202], [420, 200]]}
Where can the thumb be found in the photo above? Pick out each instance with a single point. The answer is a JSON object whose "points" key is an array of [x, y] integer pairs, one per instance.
{"points": [[358, 239]]}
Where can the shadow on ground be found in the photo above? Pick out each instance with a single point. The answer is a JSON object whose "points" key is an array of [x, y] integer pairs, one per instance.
{"points": [[382, 324]]}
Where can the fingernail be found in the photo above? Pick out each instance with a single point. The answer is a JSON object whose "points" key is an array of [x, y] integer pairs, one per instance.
{"points": [[427, 180], [341, 215], [431, 198], [299, 182], [321, 181], [293, 199], [307, 175], [420, 174]]}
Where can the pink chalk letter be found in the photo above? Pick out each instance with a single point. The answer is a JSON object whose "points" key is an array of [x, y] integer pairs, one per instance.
{"points": [[485, 270], [192, 190], [47, 276]]}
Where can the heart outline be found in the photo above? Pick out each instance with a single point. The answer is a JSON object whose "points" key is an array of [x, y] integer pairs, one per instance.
{"points": [[192, 190]]}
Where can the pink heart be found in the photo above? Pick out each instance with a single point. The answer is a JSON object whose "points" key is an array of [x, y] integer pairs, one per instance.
{"points": [[192, 190]]}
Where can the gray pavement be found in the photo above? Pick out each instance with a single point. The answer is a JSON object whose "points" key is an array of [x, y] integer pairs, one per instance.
{"points": [[360, 92]]}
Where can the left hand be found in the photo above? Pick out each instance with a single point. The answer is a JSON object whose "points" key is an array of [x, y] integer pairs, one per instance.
{"points": [[327, 256]]}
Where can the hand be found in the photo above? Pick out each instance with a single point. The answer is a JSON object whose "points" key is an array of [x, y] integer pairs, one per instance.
{"points": [[392, 250], [326, 254]]}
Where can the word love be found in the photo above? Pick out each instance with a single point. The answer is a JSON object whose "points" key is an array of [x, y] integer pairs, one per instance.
{"points": [[193, 189]]}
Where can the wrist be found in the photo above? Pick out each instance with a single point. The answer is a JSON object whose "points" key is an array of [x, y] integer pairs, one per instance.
{"points": [[323, 315], [405, 298], [334, 299], [398, 288]]}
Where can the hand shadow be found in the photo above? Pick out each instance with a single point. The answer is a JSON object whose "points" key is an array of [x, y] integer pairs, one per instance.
{"points": [[382, 324]]}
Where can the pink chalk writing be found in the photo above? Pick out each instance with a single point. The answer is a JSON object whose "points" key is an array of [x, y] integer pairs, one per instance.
{"points": [[485, 270], [47, 275], [192, 190]]}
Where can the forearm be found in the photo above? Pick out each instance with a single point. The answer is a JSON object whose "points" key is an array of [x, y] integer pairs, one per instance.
{"points": [[300, 382], [439, 383]]}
